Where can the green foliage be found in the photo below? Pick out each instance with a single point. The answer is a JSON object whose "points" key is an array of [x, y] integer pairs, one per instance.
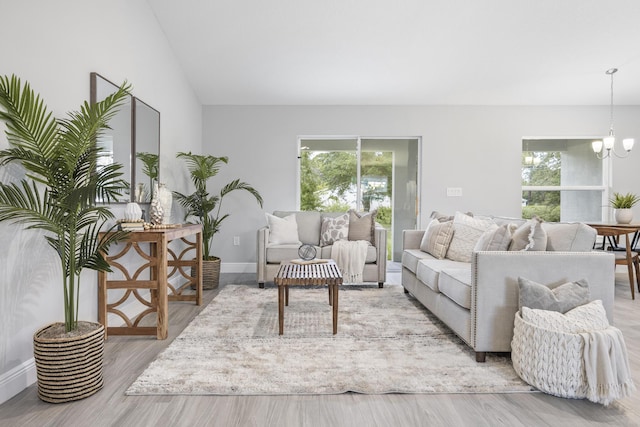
{"points": [[623, 201], [309, 184], [384, 216], [200, 205], [62, 181], [335, 206], [150, 164], [547, 213]]}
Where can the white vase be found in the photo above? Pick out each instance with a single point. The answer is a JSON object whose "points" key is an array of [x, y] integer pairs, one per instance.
{"points": [[166, 199], [132, 212], [623, 216], [157, 215]]}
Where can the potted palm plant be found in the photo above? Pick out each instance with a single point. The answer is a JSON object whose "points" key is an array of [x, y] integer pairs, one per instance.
{"points": [[622, 203], [58, 195], [205, 208]]}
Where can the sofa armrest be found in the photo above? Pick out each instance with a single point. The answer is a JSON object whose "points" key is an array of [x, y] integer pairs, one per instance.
{"points": [[411, 239], [261, 256], [494, 287], [381, 253]]}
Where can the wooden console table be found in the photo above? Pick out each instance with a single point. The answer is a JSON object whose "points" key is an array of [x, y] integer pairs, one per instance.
{"points": [[154, 258], [326, 273]]}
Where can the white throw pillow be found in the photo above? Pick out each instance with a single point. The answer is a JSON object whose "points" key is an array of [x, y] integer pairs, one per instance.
{"points": [[466, 232], [436, 238], [584, 318], [283, 230]]}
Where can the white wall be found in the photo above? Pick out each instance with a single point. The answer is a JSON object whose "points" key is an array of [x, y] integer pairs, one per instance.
{"points": [[475, 148], [55, 45]]}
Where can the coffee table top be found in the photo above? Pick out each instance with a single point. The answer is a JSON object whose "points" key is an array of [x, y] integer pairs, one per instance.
{"points": [[325, 273]]}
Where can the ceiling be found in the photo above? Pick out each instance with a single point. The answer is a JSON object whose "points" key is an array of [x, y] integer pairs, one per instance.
{"points": [[406, 52]]}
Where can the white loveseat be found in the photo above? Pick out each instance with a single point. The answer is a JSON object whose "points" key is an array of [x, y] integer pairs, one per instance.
{"points": [[309, 224], [478, 299]]}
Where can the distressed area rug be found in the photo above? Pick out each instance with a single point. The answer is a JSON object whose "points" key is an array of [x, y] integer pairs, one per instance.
{"points": [[386, 343]]}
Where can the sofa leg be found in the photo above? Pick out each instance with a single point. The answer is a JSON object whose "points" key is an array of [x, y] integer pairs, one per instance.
{"points": [[481, 356], [406, 291], [380, 284], [261, 285]]}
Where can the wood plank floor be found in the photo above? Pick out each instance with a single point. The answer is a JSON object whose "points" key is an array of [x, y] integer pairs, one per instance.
{"points": [[127, 357]]}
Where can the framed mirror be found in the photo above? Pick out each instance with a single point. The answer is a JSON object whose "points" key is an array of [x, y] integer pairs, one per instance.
{"points": [[146, 149]]}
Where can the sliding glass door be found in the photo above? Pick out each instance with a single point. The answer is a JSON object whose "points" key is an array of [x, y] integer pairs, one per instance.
{"points": [[338, 173]]}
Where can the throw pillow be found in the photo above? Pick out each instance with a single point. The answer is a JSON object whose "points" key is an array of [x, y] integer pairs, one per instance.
{"points": [[584, 318], [283, 230], [334, 229], [362, 227], [530, 236], [495, 238], [561, 298], [436, 238], [466, 232]]}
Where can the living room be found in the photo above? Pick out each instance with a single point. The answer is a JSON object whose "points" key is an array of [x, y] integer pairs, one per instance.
{"points": [[471, 134]]}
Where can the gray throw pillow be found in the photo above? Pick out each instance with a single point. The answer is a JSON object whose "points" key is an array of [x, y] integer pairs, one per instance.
{"points": [[436, 238], [561, 298], [530, 236], [362, 227]]}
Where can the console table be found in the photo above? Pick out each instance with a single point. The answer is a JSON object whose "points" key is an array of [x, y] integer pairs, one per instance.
{"points": [[154, 263]]}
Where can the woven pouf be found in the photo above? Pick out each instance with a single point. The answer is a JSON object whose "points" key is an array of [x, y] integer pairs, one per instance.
{"points": [[69, 368], [548, 360]]}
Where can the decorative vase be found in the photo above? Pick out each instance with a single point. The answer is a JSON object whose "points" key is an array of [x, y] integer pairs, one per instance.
{"points": [[157, 215], [133, 212], [623, 216], [166, 198], [68, 367]]}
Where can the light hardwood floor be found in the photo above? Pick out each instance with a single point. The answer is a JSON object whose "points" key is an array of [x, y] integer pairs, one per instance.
{"points": [[127, 357]]}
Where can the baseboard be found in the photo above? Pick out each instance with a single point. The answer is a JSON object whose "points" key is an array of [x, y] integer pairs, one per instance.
{"points": [[17, 379], [238, 267]]}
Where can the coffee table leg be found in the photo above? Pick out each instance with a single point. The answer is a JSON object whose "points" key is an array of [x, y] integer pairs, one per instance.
{"points": [[281, 292], [334, 291], [330, 287]]}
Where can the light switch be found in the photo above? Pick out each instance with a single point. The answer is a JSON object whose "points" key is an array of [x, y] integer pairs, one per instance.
{"points": [[454, 192]]}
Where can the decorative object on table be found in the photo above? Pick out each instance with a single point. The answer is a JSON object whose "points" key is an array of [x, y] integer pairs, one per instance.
{"points": [[622, 203], [131, 225], [166, 199], [307, 252], [157, 214], [68, 214], [133, 212], [205, 209]]}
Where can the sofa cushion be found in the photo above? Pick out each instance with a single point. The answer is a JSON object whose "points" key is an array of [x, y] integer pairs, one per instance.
{"points": [[562, 298], [410, 258], [308, 225], [279, 253], [466, 232], [455, 283], [437, 237], [428, 270], [496, 238], [584, 318], [372, 253], [530, 236], [569, 237], [282, 230], [334, 229], [362, 227]]}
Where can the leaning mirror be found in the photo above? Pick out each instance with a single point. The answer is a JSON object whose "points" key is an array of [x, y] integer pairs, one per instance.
{"points": [[146, 146], [117, 140]]}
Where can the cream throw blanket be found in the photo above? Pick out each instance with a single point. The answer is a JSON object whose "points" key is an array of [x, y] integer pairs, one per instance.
{"points": [[606, 366], [350, 257]]}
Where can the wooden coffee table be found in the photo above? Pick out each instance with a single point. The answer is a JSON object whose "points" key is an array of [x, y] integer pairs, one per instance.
{"points": [[325, 273]]}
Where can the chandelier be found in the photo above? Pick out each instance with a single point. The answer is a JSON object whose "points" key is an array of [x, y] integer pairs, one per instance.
{"points": [[608, 142]]}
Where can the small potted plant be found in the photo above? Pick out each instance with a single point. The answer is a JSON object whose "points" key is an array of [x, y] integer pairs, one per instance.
{"points": [[205, 208], [622, 203], [58, 196]]}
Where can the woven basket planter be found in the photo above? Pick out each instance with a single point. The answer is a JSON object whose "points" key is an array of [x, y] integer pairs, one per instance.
{"points": [[69, 368], [549, 360], [210, 273]]}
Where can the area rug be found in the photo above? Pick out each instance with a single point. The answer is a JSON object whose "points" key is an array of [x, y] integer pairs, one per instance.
{"points": [[386, 343]]}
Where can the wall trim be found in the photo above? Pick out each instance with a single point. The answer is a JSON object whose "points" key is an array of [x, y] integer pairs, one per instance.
{"points": [[17, 379]]}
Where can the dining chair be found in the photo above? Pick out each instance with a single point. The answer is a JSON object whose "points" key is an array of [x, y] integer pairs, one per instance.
{"points": [[626, 256]]}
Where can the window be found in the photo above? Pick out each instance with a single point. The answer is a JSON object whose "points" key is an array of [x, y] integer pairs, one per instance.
{"points": [[562, 180]]}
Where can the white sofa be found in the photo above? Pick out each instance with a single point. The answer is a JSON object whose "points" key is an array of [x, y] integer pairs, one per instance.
{"points": [[478, 299], [270, 255]]}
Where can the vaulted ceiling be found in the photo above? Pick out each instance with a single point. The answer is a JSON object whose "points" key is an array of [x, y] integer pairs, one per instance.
{"points": [[404, 52]]}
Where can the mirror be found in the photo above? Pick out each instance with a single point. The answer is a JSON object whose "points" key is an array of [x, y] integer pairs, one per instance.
{"points": [[133, 140], [146, 143]]}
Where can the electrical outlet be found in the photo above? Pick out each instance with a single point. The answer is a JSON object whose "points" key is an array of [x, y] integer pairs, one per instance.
{"points": [[454, 192], [236, 240]]}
